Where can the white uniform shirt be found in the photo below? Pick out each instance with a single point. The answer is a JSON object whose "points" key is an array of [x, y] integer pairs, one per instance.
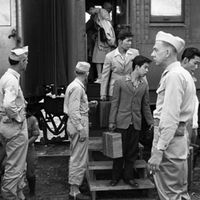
{"points": [[12, 102], [195, 116], [76, 102], [175, 102]]}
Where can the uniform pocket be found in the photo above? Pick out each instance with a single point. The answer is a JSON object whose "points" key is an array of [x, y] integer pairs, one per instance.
{"points": [[71, 130], [9, 128]]}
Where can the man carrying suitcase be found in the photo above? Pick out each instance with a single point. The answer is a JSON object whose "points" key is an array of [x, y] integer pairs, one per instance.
{"points": [[129, 102]]}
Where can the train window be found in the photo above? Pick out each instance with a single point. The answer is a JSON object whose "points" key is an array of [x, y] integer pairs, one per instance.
{"points": [[166, 11]]}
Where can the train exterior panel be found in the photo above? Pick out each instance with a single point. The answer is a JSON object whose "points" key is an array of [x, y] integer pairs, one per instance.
{"points": [[55, 33]]}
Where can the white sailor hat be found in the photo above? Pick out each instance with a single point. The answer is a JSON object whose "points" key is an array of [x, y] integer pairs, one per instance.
{"points": [[175, 41], [83, 66], [18, 53]]}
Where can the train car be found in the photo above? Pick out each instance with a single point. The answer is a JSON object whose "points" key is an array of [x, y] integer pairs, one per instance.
{"points": [[55, 32]]}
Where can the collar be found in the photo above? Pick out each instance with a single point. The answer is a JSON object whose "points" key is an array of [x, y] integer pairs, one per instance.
{"points": [[79, 82], [173, 65], [13, 72], [117, 53], [128, 78]]}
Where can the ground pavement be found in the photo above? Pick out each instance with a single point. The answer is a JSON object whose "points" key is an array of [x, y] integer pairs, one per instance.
{"points": [[52, 179], [52, 172]]}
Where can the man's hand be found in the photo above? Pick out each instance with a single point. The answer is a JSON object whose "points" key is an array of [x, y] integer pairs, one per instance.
{"points": [[93, 104], [154, 161], [151, 127], [83, 135], [103, 98], [112, 126]]}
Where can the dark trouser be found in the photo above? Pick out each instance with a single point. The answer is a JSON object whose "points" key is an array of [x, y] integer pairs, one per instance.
{"points": [[130, 139]]}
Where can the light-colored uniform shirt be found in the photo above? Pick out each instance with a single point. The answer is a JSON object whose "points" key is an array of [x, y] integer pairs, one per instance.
{"points": [[195, 116], [76, 107], [116, 66], [175, 102], [76, 103], [14, 128], [12, 102]]}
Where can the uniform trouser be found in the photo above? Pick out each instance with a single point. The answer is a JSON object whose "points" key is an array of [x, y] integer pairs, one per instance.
{"points": [[79, 157], [15, 165], [130, 139], [171, 180]]}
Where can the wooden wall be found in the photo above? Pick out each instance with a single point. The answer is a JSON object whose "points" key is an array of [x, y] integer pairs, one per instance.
{"points": [[145, 32]]}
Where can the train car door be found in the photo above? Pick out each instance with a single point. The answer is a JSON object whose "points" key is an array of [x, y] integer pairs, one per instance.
{"points": [[55, 33]]}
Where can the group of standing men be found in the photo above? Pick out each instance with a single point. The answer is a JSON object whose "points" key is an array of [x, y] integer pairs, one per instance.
{"points": [[124, 76], [176, 109]]}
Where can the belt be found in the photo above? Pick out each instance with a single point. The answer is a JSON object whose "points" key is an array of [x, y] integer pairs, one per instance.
{"points": [[179, 131], [157, 121], [84, 114]]}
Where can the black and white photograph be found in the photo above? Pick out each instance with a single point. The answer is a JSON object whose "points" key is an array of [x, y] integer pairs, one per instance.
{"points": [[99, 100]]}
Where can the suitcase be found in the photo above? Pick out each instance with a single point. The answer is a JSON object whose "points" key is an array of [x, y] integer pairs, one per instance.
{"points": [[112, 144], [104, 112]]}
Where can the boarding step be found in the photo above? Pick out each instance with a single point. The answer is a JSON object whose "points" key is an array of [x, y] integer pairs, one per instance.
{"points": [[106, 165], [104, 185], [96, 144]]}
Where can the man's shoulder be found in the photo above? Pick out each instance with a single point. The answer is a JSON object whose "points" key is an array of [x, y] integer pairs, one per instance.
{"points": [[74, 86], [8, 77], [133, 51], [111, 53], [74, 83], [179, 72]]}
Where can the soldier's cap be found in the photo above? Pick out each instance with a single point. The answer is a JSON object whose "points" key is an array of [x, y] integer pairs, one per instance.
{"points": [[175, 41], [18, 53], [83, 66]]}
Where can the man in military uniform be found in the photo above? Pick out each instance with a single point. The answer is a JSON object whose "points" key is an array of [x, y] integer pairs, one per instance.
{"points": [[13, 125], [76, 107], [174, 109]]}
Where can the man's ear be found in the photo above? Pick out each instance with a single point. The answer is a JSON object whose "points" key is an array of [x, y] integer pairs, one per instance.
{"points": [[185, 60], [169, 51]]}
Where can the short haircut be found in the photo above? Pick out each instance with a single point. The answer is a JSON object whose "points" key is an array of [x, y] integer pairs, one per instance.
{"points": [[12, 62], [107, 5], [79, 73], [123, 34], [140, 60], [190, 53]]}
